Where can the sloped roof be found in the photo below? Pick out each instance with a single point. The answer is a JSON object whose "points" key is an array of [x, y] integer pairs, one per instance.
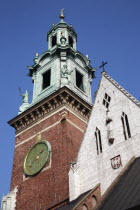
{"points": [[121, 88], [72, 204], [126, 192]]}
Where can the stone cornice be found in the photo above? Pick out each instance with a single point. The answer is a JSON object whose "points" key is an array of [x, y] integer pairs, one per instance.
{"points": [[60, 98]]}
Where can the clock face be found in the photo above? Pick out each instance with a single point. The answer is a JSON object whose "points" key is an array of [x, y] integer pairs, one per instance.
{"points": [[36, 158]]}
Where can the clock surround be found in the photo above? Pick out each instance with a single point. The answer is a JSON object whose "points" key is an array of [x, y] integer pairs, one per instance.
{"points": [[37, 158]]}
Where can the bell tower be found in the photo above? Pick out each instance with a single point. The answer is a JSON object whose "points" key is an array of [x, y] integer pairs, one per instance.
{"points": [[61, 65], [50, 129]]}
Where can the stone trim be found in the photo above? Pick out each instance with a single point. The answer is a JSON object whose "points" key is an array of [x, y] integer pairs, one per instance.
{"points": [[28, 139], [62, 97], [75, 125], [44, 169], [121, 89], [33, 136], [48, 116]]}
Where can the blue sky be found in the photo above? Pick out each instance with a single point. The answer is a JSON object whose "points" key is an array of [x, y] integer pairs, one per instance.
{"points": [[108, 30]]}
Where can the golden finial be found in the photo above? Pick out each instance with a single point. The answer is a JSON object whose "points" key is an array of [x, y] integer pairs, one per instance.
{"points": [[62, 14]]}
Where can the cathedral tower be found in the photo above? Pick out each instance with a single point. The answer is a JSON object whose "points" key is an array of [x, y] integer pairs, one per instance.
{"points": [[50, 129]]}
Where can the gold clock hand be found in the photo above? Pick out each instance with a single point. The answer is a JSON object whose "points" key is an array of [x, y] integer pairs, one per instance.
{"points": [[40, 152], [36, 158]]}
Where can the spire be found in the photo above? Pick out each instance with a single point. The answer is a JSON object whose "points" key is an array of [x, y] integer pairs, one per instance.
{"points": [[62, 15]]}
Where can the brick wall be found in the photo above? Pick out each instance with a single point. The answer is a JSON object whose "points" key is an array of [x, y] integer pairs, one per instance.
{"points": [[91, 200], [50, 186]]}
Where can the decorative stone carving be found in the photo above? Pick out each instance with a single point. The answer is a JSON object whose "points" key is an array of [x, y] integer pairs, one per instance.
{"points": [[65, 75], [116, 162], [109, 127], [32, 116], [26, 120], [25, 105], [37, 113], [43, 109], [63, 98], [25, 97]]}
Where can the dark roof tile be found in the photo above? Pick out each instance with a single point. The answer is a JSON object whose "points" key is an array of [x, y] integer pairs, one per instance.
{"points": [[126, 193]]}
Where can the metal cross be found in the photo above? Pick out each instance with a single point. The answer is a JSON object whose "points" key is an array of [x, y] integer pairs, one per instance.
{"points": [[103, 64]]}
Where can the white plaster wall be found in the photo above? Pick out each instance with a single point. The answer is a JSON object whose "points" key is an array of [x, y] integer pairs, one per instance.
{"points": [[9, 201], [91, 168]]}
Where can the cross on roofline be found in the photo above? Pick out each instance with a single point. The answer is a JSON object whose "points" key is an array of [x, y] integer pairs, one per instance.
{"points": [[103, 64]]}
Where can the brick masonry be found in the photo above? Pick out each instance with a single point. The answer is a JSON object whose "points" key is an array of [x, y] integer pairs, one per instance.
{"points": [[64, 132], [91, 200]]}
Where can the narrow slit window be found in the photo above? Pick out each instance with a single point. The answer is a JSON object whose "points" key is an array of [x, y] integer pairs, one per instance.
{"points": [[54, 38], [124, 131], [46, 79], [98, 141], [79, 80], [70, 41], [126, 127], [106, 100]]}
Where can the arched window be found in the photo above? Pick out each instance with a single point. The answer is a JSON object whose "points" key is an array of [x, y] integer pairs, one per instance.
{"points": [[98, 141], [94, 201], [85, 207], [125, 124]]}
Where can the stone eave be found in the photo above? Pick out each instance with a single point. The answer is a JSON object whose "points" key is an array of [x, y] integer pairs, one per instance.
{"points": [[70, 51], [62, 97], [32, 69], [41, 57], [134, 100], [84, 59]]}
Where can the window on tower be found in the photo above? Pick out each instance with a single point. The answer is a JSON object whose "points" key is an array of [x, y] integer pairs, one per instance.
{"points": [[126, 128], [70, 41], [106, 100], [54, 38], [79, 80], [46, 79], [98, 141]]}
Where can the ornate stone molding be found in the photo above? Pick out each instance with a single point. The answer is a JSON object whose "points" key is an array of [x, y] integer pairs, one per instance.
{"points": [[62, 97]]}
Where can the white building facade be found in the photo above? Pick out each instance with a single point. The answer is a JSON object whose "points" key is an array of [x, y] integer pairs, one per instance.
{"points": [[112, 138]]}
